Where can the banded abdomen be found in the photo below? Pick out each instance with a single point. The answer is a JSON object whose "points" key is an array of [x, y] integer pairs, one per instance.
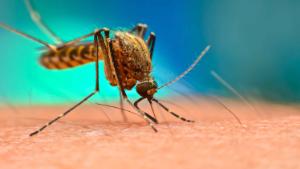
{"points": [[69, 57]]}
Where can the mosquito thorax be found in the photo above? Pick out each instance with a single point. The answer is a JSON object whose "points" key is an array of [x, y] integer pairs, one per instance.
{"points": [[146, 89]]}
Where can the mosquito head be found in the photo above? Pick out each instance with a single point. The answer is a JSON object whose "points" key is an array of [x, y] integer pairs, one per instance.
{"points": [[147, 89]]}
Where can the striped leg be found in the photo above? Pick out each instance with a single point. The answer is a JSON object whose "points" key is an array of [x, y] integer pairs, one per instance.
{"points": [[97, 41], [136, 104], [174, 114]]}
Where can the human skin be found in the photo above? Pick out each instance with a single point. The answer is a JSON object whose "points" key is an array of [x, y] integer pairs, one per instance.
{"points": [[269, 137]]}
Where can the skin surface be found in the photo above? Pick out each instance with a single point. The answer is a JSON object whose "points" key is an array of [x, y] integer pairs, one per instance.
{"points": [[268, 138]]}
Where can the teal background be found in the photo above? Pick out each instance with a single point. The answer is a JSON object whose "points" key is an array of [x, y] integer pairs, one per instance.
{"points": [[255, 47]]}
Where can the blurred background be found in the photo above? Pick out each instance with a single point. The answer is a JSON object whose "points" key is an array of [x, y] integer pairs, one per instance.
{"points": [[255, 47]]}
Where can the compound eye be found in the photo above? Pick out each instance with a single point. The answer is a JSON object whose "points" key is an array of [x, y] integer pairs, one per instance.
{"points": [[151, 92], [146, 89]]}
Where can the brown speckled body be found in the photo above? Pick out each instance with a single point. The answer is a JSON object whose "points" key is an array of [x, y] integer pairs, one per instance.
{"points": [[132, 59], [131, 54]]}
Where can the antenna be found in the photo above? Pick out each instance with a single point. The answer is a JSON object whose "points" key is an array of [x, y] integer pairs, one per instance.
{"points": [[187, 70]]}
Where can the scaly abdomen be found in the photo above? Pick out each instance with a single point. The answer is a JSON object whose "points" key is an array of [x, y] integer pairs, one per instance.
{"points": [[133, 58], [69, 57]]}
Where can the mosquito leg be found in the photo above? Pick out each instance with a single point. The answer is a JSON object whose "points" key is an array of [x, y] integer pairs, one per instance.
{"points": [[152, 109], [151, 43], [77, 40], [36, 18], [138, 101], [49, 46], [148, 115], [140, 30], [142, 114], [96, 42], [174, 114], [125, 119], [62, 115], [111, 57], [11, 29]]}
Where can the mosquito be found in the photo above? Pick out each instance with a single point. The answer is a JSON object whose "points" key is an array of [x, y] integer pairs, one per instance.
{"points": [[127, 58]]}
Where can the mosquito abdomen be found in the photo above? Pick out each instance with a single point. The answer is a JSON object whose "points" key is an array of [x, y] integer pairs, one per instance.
{"points": [[69, 57]]}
